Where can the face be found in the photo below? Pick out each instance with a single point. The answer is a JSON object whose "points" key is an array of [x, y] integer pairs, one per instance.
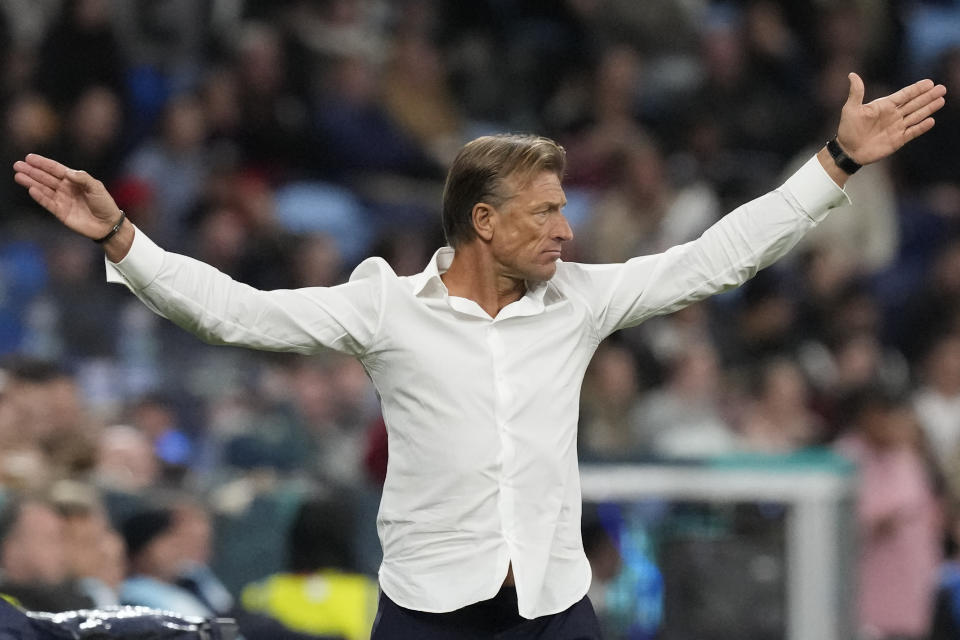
{"points": [[82, 536], [34, 552], [527, 232]]}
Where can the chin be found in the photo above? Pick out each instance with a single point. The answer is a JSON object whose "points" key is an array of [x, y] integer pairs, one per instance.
{"points": [[542, 274]]}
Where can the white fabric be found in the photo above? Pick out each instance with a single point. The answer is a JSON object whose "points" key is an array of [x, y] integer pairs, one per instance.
{"points": [[481, 412]]}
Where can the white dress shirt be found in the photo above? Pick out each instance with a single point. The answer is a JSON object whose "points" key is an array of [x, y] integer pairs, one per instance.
{"points": [[481, 412]]}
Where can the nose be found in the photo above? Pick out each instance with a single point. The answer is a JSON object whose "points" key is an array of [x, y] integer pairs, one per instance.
{"points": [[563, 232]]}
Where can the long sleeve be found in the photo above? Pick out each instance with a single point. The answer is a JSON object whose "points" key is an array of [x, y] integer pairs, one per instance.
{"points": [[727, 254], [220, 310]]}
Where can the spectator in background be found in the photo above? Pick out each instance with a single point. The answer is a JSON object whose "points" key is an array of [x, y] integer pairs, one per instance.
{"points": [[946, 614], [93, 550], [779, 418], [683, 418], [350, 112], [274, 128], [605, 560], [92, 131], [34, 569], [156, 558], [126, 461], [898, 515], [155, 417], [760, 323], [416, 96], [937, 403], [932, 309], [71, 321], [644, 213], [611, 394], [173, 164], [63, 73], [29, 121], [320, 593], [50, 434], [606, 119], [934, 165], [195, 530]]}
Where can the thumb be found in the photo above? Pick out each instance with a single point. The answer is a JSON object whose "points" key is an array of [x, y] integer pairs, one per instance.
{"points": [[855, 98]]}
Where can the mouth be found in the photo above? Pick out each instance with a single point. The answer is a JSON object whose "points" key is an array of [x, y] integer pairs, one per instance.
{"points": [[552, 253]]}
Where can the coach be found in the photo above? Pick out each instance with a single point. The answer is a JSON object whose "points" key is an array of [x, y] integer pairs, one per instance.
{"points": [[479, 359]]}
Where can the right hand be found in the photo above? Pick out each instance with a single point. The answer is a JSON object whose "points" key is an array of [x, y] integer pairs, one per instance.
{"points": [[76, 198]]}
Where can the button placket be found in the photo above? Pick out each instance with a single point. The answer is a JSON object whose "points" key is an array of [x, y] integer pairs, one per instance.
{"points": [[503, 395]]}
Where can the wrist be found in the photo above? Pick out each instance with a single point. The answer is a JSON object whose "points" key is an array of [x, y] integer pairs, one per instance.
{"points": [[114, 230], [118, 245], [838, 175], [842, 159]]}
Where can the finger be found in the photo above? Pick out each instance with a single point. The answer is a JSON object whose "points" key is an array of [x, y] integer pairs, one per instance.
{"points": [[918, 129], [36, 173], [923, 99], [54, 168], [25, 180], [923, 112], [907, 94], [855, 97], [43, 196]]}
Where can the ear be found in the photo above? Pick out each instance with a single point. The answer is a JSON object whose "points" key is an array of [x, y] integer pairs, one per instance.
{"points": [[484, 218]]}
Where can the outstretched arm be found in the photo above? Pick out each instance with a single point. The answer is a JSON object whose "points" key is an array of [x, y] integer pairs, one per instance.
{"points": [[196, 296], [872, 131], [77, 199], [761, 231]]}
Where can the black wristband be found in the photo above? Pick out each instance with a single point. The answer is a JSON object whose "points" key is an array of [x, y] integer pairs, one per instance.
{"points": [[845, 162], [113, 232]]}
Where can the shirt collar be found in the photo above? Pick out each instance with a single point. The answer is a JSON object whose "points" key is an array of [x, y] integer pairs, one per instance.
{"points": [[428, 284]]}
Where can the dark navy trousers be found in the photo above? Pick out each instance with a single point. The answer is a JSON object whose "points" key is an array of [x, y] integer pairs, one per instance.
{"points": [[496, 619]]}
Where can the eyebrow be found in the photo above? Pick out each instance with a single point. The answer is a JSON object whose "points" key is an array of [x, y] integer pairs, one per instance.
{"points": [[551, 204]]}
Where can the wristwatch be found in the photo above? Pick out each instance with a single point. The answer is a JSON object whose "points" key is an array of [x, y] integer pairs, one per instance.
{"points": [[845, 162]]}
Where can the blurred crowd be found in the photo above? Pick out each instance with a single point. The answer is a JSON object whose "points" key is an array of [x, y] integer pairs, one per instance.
{"points": [[283, 141]]}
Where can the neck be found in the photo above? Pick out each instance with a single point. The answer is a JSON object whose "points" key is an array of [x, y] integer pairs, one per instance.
{"points": [[474, 275]]}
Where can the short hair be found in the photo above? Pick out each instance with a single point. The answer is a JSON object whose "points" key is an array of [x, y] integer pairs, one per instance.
{"points": [[320, 536], [480, 169]]}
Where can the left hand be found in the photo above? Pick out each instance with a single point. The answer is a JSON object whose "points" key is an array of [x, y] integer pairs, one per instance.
{"points": [[872, 131]]}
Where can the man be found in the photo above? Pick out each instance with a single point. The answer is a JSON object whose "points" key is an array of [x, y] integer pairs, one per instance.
{"points": [[33, 564], [479, 359], [94, 550]]}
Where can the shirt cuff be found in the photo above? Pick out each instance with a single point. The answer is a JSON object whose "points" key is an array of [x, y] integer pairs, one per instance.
{"points": [[140, 266], [814, 190]]}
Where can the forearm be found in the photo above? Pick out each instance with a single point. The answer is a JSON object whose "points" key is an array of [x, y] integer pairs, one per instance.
{"points": [[838, 175]]}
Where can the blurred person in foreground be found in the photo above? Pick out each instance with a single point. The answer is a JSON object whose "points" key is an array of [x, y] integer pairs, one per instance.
{"points": [[479, 359]]}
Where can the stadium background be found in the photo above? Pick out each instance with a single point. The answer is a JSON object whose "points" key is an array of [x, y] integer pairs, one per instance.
{"points": [[284, 141]]}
